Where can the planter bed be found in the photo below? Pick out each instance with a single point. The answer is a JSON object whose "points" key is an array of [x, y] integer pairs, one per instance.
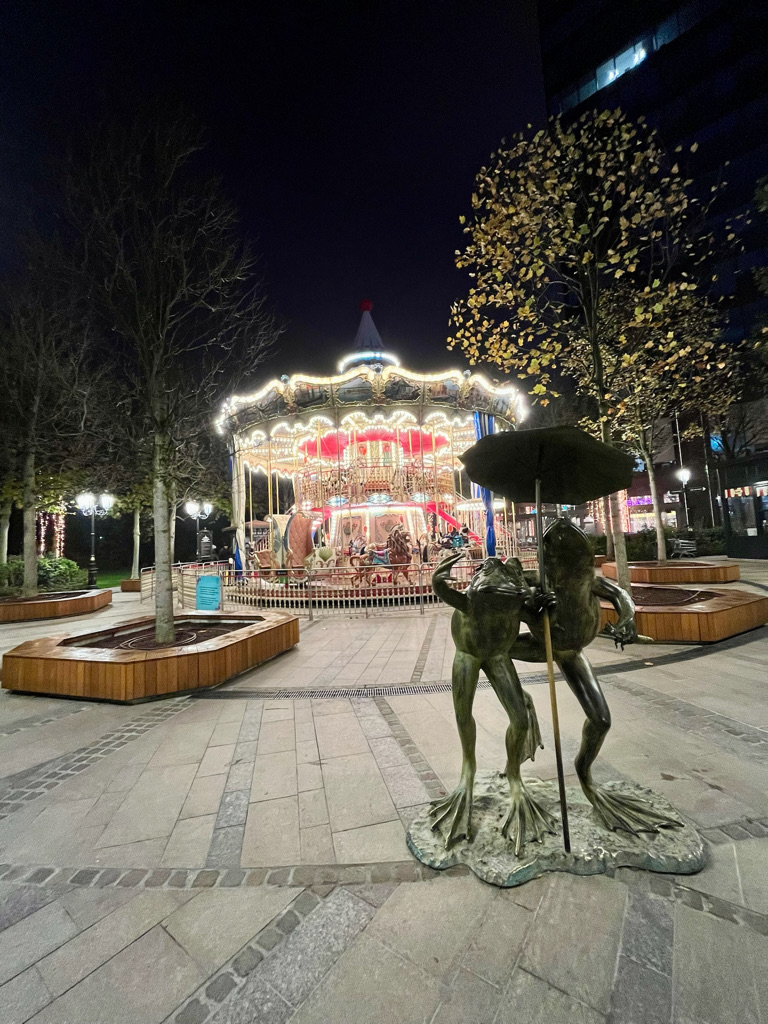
{"points": [[678, 615], [130, 586], [53, 605], [114, 664], [682, 571]]}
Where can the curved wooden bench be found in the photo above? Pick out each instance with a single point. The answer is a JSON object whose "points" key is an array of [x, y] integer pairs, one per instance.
{"points": [[54, 606], [677, 572], [699, 622], [55, 666]]}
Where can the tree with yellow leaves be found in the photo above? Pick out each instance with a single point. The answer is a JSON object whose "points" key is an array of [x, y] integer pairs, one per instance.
{"points": [[567, 226]]}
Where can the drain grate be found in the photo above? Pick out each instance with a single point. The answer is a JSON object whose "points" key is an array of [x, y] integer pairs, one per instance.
{"points": [[407, 689]]}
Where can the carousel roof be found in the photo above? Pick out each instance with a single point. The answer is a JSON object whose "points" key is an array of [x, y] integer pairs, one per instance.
{"points": [[370, 381]]}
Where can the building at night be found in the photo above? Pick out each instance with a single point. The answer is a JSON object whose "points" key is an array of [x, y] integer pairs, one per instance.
{"points": [[696, 71]]}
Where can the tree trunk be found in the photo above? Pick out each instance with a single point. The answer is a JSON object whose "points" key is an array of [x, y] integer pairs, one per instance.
{"points": [[136, 543], [164, 631], [608, 534], [173, 510], [617, 528], [661, 540], [29, 588], [5, 522]]}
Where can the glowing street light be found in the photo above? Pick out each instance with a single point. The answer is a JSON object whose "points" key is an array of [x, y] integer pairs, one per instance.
{"points": [[198, 510], [684, 475], [94, 505]]}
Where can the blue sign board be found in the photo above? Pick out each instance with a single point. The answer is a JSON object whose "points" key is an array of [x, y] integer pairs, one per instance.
{"points": [[208, 594]]}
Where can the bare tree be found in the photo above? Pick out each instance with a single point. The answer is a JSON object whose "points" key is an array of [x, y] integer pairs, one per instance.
{"points": [[47, 382], [175, 290]]}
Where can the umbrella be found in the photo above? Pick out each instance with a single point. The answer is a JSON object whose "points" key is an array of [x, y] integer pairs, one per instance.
{"points": [[562, 465]]}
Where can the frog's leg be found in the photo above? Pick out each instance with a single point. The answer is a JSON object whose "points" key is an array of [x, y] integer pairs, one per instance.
{"points": [[617, 812], [526, 819], [458, 805]]}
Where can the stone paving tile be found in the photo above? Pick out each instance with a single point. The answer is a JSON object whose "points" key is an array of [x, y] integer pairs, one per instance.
{"points": [[648, 932], [25, 942], [216, 923], [406, 922], [309, 952], [640, 995], [470, 999], [70, 963], [715, 968], [396, 992], [274, 776], [272, 833], [22, 997], [384, 841], [560, 950], [204, 796], [532, 1000], [18, 902], [144, 982]]}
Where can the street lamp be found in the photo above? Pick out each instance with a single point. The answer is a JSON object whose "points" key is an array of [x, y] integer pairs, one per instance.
{"points": [[198, 510], [94, 505], [684, 475]]}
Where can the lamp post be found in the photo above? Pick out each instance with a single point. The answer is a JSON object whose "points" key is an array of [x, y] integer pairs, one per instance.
{"points": [[94, 505], [198, 510], [684, 475]]}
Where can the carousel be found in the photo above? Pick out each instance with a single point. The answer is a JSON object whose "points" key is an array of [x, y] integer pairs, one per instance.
{"points": [[366, 462]]}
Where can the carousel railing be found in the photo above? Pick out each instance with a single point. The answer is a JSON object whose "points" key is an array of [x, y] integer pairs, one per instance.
{"points": [[365, 591]]}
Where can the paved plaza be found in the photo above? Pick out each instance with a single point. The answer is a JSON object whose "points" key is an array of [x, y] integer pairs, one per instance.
{"points": [[239, 855]]}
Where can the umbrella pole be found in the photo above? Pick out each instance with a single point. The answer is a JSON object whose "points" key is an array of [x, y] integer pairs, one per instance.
{"points": [[551, 675]]}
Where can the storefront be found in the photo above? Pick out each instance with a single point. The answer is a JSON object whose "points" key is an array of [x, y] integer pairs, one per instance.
{"points": [[745, 499]]}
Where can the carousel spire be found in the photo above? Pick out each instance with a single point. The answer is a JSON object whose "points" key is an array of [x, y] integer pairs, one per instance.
{"points": [[369, 348], [367, 338]]}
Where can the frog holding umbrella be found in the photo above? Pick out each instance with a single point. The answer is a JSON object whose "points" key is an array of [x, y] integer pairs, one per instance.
{"points": [[564, 465]]}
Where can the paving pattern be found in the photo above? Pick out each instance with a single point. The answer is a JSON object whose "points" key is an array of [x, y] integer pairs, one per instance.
{"points": [[240, 856]]}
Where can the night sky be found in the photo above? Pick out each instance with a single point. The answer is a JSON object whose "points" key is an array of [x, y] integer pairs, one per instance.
{"points": [[348, 134]]}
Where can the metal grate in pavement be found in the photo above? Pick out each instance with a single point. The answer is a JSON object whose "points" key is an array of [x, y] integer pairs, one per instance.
{"points": [[405, 690]]}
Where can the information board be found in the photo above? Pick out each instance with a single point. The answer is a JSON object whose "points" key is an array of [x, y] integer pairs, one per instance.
{"points": [[208, 594]]}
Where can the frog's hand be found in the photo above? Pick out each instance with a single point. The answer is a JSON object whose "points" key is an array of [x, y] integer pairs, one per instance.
{"points": [[443, 589]]}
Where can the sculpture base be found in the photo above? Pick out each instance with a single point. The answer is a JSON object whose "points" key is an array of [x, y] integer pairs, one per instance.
{"points": [[594, 849]]}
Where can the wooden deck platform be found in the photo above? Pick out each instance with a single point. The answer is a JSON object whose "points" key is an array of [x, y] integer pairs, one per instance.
{"points": [[700, 622], [677, 571], [54, 606], [56, 667]]}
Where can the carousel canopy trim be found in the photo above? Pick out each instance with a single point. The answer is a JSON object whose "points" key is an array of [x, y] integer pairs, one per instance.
{"points": [[370, 386]]}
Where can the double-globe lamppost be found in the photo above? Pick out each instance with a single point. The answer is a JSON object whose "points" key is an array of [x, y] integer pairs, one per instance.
{"points": [[198, 510], [94, 505]]}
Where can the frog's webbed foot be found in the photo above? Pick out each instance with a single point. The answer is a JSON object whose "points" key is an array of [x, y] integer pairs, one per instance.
{"points": [[457, 807], [526, 820], [619, 812]]}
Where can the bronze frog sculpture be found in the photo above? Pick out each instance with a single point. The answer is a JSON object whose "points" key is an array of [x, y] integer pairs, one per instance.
{"points": [[575, 622], [484, 628]]}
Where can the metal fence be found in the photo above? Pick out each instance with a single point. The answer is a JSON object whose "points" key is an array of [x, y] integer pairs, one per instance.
{"points": [[365, 591]]}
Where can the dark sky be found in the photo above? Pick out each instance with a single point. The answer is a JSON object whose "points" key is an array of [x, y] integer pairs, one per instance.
{"points": [[349, 135]]}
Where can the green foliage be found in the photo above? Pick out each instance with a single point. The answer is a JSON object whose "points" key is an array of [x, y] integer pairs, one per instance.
{"points": [[641, 546], [53, 574]]}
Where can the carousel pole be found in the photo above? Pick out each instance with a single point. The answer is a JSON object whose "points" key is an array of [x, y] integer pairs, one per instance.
{"points": [[423, 474], [320, 484], [551, 673], [250, 498], [269, 488], [453, 474], [434, 470]]}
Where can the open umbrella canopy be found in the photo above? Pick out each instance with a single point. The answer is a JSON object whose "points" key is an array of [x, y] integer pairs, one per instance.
{"points": [[573, 467]]}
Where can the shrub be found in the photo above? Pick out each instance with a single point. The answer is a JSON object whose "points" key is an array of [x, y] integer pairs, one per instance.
{"points": [[52, 574], [60, 574]]}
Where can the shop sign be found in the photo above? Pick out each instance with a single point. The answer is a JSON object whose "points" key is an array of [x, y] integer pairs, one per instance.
{"points": [[639, 499], [747, 491], [671, 497]]}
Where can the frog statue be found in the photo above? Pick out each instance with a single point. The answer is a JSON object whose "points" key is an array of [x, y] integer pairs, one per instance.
{"points": [[575, 622], [484, 628]]}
